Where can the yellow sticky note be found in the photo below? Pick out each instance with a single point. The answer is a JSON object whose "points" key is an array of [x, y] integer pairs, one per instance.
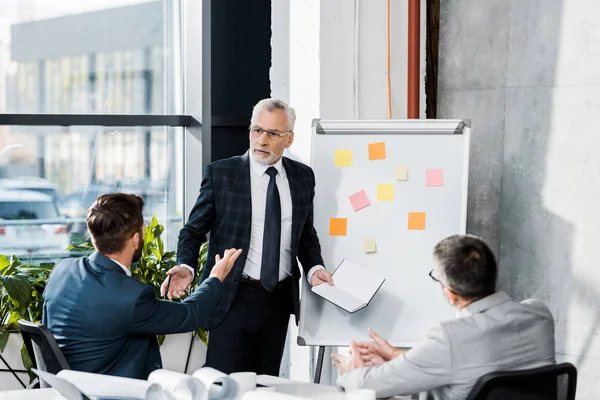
{"points": [[402, 172], [343, 158], [338, 226], [369, 245], [377, 151], [416, 221], [385, 192]]}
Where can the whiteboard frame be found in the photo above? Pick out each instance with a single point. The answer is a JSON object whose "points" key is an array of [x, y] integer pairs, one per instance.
{"points": [[382, 126]]}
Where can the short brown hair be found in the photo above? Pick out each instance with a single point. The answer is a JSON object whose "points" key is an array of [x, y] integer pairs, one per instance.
{"points": [[113, 219]]}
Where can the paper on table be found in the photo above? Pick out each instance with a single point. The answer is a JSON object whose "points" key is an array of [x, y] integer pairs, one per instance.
{"points": [[62, 386], [180, 385], [209, 376], [263, 395], [97, 385]]}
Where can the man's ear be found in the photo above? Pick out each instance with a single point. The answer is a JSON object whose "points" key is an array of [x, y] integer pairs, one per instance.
{"points": [[136, 239], [290, 140], [452, 297]]}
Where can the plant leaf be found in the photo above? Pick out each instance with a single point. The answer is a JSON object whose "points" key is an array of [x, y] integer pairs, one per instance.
{"points": [[157, 254], [4, 263], [3, 338], [27, 362], [202, 334], [18, 288]]}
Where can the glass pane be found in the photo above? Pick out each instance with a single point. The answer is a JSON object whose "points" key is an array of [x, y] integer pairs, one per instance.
{"points": [[49, 176], [88, 57]]}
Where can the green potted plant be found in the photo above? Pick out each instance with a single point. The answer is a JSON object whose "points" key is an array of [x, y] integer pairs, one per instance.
{"points": [[22, 285]]}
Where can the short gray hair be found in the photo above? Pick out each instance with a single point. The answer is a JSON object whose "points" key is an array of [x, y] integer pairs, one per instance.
{"points": [[467, 266], [271, 105]]}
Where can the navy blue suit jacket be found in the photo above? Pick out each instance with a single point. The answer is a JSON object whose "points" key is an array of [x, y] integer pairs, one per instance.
{"points": [[224, 208], [106, 322]]}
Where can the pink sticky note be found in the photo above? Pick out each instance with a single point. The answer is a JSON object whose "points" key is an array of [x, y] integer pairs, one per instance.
{"points": [[435, 177], [359, 200]]}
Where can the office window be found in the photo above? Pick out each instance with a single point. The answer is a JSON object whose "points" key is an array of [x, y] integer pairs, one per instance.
{"points": [[93, 57], [84, 57], [66, 168]]}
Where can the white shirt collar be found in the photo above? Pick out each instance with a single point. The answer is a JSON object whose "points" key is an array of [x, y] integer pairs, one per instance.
{"points": [[261, 169], [127, 270]]}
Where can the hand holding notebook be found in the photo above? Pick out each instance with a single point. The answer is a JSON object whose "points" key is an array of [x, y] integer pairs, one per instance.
{"points": [[353, 287]]}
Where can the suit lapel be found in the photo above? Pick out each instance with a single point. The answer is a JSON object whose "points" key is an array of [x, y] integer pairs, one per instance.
{"points": [[295, 191], [242, 178]]}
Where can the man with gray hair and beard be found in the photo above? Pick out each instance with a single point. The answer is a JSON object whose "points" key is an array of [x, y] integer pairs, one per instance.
{"points": [[262, 202], [492, 333]]}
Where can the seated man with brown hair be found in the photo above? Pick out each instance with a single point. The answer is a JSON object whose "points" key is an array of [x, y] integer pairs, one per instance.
{"points": [[104, 320]]}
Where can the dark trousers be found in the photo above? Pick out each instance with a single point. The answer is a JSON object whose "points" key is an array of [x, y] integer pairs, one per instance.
{"points": [[251, 338]]}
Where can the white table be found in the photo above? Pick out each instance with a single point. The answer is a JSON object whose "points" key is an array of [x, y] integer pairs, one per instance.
{"points": [[310, 390]]}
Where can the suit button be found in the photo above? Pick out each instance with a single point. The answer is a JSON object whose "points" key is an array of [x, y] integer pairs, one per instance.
{"points": [[236, 282], [157, 365]]}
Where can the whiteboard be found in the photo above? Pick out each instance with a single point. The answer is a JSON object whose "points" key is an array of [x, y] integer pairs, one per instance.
{"points": [[409, 302]]}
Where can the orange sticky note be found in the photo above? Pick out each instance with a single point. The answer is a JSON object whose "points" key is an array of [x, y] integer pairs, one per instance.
{"points": [[377, 151], [416, 221], [338, 226], [434, 177]]}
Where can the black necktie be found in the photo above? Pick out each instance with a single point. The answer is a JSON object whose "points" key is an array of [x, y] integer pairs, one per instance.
{"points": [[269, 270]]}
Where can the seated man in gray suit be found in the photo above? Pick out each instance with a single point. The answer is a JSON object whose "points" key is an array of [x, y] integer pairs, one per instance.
{"points": [[491, 333], [104, 320]]}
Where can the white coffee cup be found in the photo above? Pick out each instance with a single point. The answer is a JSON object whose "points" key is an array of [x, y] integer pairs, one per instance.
{"points": [[245, 380]]}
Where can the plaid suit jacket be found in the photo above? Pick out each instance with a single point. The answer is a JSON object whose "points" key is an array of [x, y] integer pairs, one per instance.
{"points": [[224, 208]]}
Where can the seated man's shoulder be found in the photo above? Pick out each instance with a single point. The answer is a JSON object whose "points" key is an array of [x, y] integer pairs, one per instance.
{"points": [[67, 265], [537, 307]]}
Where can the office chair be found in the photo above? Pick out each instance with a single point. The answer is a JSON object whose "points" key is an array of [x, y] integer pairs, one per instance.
{"points": [[543, 383], [42, 348]]}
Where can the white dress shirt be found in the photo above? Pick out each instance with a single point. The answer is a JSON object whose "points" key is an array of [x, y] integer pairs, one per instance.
{"points": [[127, 270], [259, 182]]}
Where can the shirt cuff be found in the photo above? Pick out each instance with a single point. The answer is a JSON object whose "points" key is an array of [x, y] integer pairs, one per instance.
{"points": [[191, 270], [312, 271]]}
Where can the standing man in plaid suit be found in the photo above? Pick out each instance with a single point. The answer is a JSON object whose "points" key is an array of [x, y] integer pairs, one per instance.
{"points": [[261, 203]]}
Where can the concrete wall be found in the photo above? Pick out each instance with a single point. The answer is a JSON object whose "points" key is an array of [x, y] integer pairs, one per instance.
{"points": [[528, 75]]}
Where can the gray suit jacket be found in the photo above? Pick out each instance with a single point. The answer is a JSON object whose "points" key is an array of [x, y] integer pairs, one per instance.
{"points": [[492, 334]]}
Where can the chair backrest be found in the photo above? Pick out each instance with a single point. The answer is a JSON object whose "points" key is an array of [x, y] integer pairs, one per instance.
{"points": [[543, 383], [42, 348]]}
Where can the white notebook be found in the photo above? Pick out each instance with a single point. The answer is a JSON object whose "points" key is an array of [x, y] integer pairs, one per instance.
{"points": [[353, 287]]}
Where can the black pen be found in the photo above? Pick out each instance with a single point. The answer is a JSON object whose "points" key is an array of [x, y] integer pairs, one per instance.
{"points": [[168, 284]]}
